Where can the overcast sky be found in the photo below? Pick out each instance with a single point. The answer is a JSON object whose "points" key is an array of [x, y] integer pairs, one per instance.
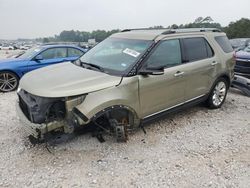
{"points": [[40, 18]]}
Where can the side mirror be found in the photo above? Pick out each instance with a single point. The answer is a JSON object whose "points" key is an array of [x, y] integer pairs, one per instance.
{"points": [[146, 72], [39, 57]]}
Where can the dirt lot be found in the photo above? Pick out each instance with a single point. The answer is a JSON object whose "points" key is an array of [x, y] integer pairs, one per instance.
{"points": [[194, 148]]}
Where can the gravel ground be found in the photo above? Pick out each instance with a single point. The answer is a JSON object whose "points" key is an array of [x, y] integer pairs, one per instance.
{"points": [[194, 148]]}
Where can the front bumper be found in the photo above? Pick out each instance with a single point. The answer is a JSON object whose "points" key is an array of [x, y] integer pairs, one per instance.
{"points": [[242, 67], [38, 131], [242, 84]]}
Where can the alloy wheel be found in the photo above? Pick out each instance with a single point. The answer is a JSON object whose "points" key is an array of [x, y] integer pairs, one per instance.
{"points": [[8, 82], [219, 93]]}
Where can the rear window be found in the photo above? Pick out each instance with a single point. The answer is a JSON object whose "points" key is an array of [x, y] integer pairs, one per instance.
{"points": [[224, 43], [196, 49]]}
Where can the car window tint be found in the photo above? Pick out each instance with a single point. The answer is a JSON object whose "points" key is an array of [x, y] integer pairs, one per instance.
{"points": [[54, 53], [224, 43], [210, 52], [195, 49], [167, 54], [72, 52]]}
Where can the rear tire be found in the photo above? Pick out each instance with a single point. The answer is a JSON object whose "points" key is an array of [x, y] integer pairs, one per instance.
{"points": [[218, 94]]}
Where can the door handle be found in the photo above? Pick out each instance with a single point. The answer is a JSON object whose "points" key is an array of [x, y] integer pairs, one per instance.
{"points": [[214, 63], [178, 73]]}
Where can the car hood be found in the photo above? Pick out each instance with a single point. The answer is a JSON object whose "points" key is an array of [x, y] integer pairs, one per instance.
{"points": [[66, 79], [243, 55]]}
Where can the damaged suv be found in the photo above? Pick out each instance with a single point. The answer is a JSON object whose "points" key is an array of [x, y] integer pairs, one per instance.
{"points": [[129, 78]]}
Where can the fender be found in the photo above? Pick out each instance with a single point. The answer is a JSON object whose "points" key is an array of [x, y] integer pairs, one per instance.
{"points": [[124, 95]]}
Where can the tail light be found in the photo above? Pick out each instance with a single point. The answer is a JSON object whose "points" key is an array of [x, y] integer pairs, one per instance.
{"points": [[234, 57]]}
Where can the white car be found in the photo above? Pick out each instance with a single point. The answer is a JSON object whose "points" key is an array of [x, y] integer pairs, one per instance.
{"points": [[7, 47], [24, 47]]}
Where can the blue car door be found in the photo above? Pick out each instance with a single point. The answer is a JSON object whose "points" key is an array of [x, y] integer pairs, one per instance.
{"points": [[48, 57]]}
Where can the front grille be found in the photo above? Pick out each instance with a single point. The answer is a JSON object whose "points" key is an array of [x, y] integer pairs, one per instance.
{"points": [[243, 63], [24, 108]]}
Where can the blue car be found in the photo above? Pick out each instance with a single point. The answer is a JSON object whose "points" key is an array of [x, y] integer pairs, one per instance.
{"points": [[11, 70]]}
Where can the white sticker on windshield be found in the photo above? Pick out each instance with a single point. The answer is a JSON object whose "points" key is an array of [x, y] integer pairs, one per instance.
{"points": [[131, 52], [37, 50]]}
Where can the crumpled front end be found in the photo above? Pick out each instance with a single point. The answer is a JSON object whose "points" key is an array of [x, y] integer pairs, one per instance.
{"points": [[41, 115]]}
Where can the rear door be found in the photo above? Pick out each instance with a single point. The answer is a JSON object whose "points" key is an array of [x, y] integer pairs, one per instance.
{"points": [[200, 63], [160, 92], [49, 57]]}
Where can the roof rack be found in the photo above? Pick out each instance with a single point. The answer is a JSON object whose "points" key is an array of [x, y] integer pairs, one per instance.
{"points": [[138, 29], [171, 31], [188, 30]]}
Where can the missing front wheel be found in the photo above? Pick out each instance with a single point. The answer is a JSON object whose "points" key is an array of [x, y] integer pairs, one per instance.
{"points": [[120, 131]]}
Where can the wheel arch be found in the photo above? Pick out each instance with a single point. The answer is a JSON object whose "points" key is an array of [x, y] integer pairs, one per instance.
{"points": [[94, 114], [226, 77], [119, 110], [11, 71]]}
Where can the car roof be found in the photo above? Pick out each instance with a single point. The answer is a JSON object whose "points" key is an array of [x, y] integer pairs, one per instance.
{"points": [[60, 46], [157, 34]]}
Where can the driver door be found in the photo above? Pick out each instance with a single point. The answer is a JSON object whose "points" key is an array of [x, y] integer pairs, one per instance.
{"points": [[160, 92]]}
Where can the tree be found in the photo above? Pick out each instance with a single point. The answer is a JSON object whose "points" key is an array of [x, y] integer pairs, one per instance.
{"points": [[238, 29], [83, 36], [198, 20], [156, 27], [174, 26], [203, 25], [45, 40], [68, 36]]}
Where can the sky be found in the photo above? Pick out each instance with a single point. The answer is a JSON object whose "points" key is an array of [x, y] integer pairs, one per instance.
{"points": [[43, 18]]}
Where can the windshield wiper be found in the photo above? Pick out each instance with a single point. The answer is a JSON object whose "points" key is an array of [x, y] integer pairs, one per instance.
{"points": [[92, 65]]}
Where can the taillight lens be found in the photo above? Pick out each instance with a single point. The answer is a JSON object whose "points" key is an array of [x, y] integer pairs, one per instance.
{"points": [[234, 55]]}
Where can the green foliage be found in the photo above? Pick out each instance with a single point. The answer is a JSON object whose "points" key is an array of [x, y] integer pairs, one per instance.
{"points": [[238, 29], [45, 40], [202, 25], [78, 36], [157, 27]]}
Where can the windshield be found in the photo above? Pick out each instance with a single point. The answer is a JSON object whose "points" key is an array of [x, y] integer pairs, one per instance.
{"points": [[30, 53], [116, 55]]}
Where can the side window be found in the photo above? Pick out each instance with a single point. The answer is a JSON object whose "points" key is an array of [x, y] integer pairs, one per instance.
{"points": [[224, 43], [72, 52], [167, 54], [54, 53], [196, 49], [210, 52]]}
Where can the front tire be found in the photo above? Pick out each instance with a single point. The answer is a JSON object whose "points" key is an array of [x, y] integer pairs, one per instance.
{"points": [[218, 94], [8, 81]]}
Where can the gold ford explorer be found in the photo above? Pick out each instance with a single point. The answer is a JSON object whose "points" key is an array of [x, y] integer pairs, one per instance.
{"points": [[129, 78]]}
